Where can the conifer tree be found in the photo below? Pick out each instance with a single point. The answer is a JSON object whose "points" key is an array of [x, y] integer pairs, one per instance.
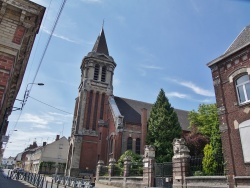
{"points": [[163, 127]]}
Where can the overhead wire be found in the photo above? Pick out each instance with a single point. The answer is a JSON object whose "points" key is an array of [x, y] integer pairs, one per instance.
{"points": [[51, 34], [50, 105], [43, 54], [43, 23]]}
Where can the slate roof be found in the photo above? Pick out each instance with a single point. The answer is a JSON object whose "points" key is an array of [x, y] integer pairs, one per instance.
{"points": [[101, 44], [131, 110], [242, 40]]}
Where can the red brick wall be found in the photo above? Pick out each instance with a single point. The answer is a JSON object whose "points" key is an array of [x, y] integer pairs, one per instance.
{"points": [[226, 97], [6, 66], [89, 153], [19, 33]]}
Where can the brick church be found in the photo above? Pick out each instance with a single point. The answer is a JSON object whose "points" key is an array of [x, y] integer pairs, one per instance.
{"points": [[105, 126]]}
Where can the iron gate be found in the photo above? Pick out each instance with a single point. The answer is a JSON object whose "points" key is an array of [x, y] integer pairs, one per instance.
{"points": [[164, 174]]}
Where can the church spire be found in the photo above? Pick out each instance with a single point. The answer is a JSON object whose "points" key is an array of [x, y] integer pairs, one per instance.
{"points": [[100, 44]]}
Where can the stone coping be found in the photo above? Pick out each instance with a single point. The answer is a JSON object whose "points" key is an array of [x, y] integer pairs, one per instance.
{"points": [[242, 177], [205, 177]]}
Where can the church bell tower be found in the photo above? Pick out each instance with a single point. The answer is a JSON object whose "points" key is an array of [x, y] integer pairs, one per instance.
{"points": [[90, 112]]}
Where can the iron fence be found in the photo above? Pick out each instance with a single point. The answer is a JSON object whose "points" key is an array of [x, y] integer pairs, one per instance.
{"points": [[118, 171], [136, 169], [163, 174], [104, 171], [196, 167]]}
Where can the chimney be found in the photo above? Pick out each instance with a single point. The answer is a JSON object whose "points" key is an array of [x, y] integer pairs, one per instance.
{"points": [[144, 128], [44, 143], [57, 137]]}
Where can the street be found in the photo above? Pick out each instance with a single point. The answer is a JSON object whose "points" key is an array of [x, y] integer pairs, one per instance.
{"points": [[9, 183]]}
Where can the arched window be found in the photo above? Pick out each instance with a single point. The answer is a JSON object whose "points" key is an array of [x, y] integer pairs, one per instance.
{"points": [[95, 111], [243, 89], [89, 109], [111, 144], [138, 146], [96, 73], [129, 143], [103, 78], [102, 106]]}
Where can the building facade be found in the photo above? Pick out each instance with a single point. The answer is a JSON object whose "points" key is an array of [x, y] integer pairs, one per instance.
{"points": [[20, 21], [231, 79], [8, 163], [104, 125]]}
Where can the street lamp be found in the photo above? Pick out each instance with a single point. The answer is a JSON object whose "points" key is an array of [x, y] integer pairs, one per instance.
{"points": [[26, 94]]}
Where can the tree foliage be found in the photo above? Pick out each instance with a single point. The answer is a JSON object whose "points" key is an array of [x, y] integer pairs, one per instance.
{"points": [[209, 163], [135, 158], [195, 142], [163, 127], [136, 161], [207, 122]]}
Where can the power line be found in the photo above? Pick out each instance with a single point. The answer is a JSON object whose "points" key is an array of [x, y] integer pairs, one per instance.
{"points": [[41, 60], [46, 46], [49, 105]]}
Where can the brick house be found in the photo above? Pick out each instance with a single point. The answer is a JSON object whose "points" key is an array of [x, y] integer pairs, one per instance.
{"points": [[105, 126], [231, 79], [19, 23]]}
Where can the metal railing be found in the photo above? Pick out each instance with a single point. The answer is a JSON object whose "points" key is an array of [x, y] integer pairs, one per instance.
{"points": [[196, 167], [39, 180]]}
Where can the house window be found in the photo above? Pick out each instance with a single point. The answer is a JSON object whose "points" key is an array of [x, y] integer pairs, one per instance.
{"points": [[129, 143], [60, 146], [243, 89], [103, 78], [244, 129], [138, 145], [96, 72]]}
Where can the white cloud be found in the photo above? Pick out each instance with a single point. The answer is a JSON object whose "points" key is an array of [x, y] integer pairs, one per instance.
{"points": [[91, 1], [60, 36], [151, 67], [40, 126], [177, 94], [31, 118], [194, 88], [197, 89]]}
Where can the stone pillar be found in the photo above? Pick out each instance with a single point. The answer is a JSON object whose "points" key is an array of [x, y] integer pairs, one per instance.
{"points": [[112, 162], [100, 164], [148, 165], [180, 163], [127, 163]]}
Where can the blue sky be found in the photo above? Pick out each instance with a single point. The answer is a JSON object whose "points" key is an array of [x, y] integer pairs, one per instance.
{"points": [[156, 44]]}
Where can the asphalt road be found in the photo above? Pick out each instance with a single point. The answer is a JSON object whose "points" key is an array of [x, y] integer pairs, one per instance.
{"points": [[9, 183]]}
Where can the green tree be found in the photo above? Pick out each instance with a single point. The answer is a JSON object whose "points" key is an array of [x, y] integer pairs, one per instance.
{"points": [[163, 127], [207, 122], [209, 162]]}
